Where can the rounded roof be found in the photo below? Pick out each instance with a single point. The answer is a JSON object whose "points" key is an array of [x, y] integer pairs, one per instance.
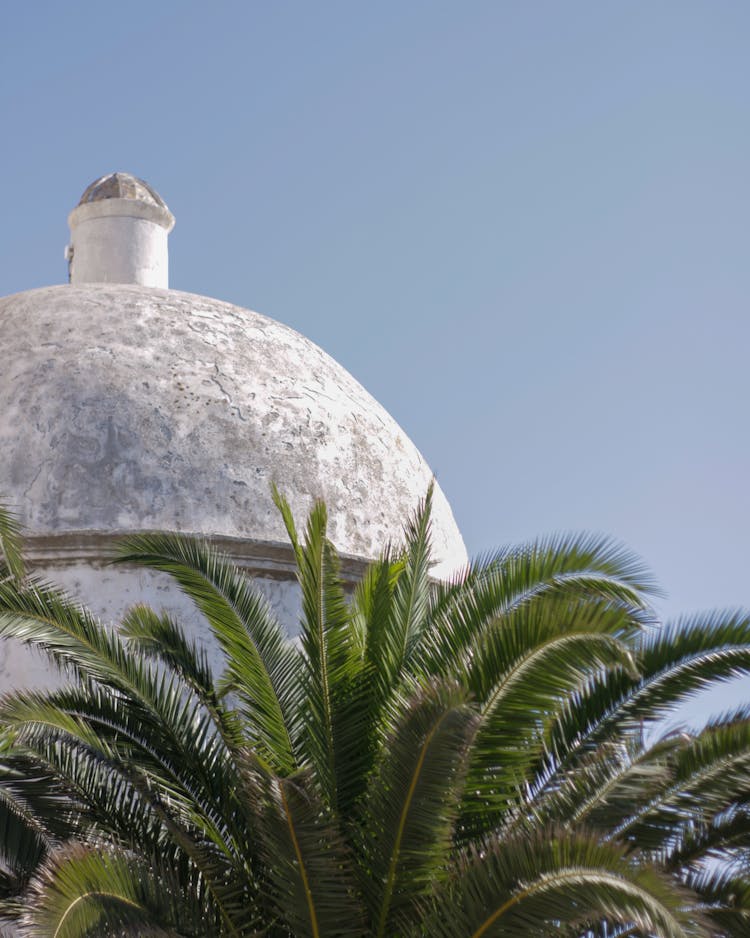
{"points": [[127, 408], [121, 186]]}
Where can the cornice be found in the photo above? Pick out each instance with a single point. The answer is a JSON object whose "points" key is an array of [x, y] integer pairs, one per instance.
{"points": [[270, 559]]}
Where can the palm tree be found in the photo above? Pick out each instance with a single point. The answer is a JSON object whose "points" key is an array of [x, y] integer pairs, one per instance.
{"points": [[475, 758]]}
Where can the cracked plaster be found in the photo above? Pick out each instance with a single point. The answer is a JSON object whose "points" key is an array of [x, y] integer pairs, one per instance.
{"points": [[127, 408]]}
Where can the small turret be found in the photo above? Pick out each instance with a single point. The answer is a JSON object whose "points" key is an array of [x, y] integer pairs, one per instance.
{"points": [[119, 233]]}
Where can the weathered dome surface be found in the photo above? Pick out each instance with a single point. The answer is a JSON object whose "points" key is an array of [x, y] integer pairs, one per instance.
{"points": [[121, 186], [127, 408]]}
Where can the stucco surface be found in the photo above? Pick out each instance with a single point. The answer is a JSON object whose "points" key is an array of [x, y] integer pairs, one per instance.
{"points": [[128, 408]]}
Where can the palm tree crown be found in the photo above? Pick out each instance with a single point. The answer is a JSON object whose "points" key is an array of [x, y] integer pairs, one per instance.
{"points": [[472, 759]]}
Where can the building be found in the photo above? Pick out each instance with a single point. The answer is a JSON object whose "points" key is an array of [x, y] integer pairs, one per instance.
{"points": [[126, 406]]}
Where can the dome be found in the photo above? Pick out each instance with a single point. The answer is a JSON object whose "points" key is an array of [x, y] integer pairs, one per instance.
{"points": [[121, 186], [128, 408]]}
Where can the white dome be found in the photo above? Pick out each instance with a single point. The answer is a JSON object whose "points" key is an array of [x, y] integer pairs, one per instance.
{"points": [[126, 408]]}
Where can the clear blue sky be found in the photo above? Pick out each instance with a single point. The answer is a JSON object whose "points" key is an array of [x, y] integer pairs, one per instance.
{"points": [[524, 227]]}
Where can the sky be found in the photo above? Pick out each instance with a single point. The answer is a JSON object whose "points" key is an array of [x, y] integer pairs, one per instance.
{"points": [[522, 226]]}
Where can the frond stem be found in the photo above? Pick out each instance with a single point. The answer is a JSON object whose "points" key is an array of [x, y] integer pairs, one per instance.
{"points": [[300, 860], [401, 825]]}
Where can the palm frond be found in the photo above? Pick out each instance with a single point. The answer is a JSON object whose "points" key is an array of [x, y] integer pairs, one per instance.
{"points": [[675, 662], [724, 899], [606, 785], [538, 886], [721, 838], [467, 759], [11, 548], [411, 599], [522, 673], [409, 810], [83, 891], [158, 636], [371, 688], [333, 719], [583, 569], [28, 803], [373, 616], [308, 866], [262, 668], [707, 775], [40, 616]]}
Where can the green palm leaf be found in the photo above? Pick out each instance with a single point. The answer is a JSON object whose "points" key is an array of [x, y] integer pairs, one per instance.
{"points": [[38, 615], [335, 716], [145, 764], [707, 774], [157, 635], [723, 837], [373, 616], [309, 868], [581, 569], [410, 807], [82, 892], [424, 762], [262, 669], [11, 544], [724, 898], [523, 670], [411, 599], [675, 663], [172, 751], [25, 799], [537, 886]]}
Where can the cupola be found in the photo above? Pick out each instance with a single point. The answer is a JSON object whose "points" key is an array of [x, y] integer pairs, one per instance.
{"points": [[119, 232]]}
